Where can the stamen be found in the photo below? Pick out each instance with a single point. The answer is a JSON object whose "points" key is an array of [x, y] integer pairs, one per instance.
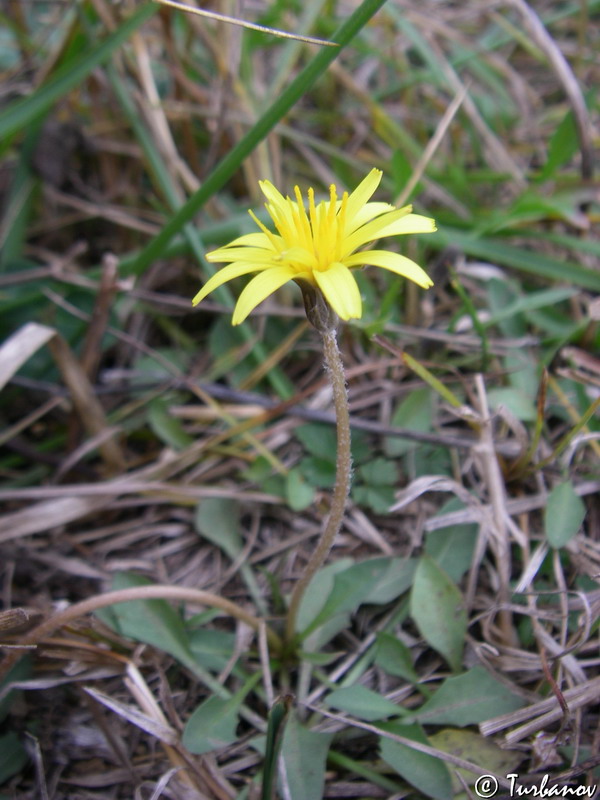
{"points": [[304, 223], [269, 234]]}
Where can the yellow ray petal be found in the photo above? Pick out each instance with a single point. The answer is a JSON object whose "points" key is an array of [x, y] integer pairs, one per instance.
{"points": [[372, 230], [258, 289], [392, 261], [225, 274], [363, 193], [341, 290], [249, 240], [366, 214], [249, 254], [413, 223]]}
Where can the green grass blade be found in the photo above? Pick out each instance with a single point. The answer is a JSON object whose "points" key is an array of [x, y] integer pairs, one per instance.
{"points": [[68, 76], [528, 261], [226, 168]]}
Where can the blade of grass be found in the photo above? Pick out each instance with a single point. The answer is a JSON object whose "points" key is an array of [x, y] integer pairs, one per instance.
{"points": [[20, 114], [528, 261]]}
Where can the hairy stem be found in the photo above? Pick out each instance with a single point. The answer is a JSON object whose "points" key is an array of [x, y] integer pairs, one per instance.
{"points": [[335, 368]]}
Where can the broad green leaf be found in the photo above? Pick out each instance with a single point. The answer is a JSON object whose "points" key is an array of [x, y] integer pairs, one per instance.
{"points": [[563, 515], [427, 774], [319, 440], [154, 622], [167, 428], [213, 724], [377, 498], [518, 402], [452, 547], [212, 648], [379, 472], [350, 588], [304, 755], [393, 581], [436, 605], [318, 472], [466, 700], [477, 749], [414, 412], [218, 520], [13, 756], [394, 657], [299, 494], [363, 703]]}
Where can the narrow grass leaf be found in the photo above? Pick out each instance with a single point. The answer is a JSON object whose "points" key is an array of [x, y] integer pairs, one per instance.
{"points": [[525, 260], [21, 113], [563, 515], [436, 605]]}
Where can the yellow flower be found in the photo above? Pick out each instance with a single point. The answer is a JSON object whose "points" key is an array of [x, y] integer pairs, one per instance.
{"points": [[319, 247]]}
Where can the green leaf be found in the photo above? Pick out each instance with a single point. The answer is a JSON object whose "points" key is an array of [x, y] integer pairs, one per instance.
{"points": [[394, 657], [299, 494], [152, 621], [563, 145], [467, 700], [319, 440], [393, 581], [414, 412], [377, 498], [304, 754], [350, 588], [212, 648], [13, 756], [477, 749], [318, 472], [167, 428], [363, 703], [452, 547], [379, 472], [563, 515], [213, 724], [427, 774], [437, 608], [218, 521]]}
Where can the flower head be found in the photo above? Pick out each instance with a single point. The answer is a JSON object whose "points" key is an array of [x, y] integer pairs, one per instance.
{"points": [[319, 247]]}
